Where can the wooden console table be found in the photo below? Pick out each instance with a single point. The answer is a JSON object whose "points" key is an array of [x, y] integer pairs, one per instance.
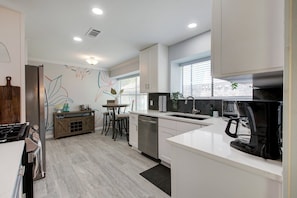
{"points": [[73, 123]]}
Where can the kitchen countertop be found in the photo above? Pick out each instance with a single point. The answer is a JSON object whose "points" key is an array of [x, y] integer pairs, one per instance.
{"points": [[212, 142], [11, 156]]}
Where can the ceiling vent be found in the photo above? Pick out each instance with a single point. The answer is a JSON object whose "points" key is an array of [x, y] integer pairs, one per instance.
{"points": [[92, 33]]}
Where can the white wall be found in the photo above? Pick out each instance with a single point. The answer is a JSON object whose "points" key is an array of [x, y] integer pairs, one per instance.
{"points": [[190, 49], [12, 36], [76, 86], [195, 47], [290, 105]]}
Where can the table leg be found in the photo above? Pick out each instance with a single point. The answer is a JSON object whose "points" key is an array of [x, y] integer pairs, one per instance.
{"points": [[113, 123]]}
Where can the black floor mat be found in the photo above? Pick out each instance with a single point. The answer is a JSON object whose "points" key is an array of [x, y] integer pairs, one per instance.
{"points": [[159, 176]]}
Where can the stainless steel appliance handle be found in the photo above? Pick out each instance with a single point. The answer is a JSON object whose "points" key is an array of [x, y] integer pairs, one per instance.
{"points": [[148, 121]]}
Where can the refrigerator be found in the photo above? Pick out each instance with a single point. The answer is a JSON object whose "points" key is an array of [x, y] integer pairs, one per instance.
{"points": [[35, 112]]}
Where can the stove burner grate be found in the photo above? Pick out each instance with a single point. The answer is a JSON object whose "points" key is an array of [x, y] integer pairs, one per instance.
{"points": [[13, 132]]}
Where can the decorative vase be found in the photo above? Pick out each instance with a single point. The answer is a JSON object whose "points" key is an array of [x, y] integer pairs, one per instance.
{"points": [[174, 105]]}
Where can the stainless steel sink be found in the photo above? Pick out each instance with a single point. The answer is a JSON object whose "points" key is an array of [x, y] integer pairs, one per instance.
{"points": [[190, 116]]}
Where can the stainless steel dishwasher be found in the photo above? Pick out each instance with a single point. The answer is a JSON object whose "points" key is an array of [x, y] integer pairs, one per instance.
{"points": [[148, 135]]}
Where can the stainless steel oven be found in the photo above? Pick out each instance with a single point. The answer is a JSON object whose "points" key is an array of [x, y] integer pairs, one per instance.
{"points": [[15, 132], [148, 135]]}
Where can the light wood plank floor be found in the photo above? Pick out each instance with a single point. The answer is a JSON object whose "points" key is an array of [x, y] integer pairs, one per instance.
{"points": [[94, 166]]}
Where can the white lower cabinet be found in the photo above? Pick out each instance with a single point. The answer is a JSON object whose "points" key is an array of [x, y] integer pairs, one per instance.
{"points": [[170, 128], [164, 147], [133, 130]]}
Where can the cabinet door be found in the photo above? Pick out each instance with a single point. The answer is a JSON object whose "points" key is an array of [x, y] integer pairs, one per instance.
{"points": [[133, 130], [153, 69], [61, 127], [88, 124], [247, 37], [144, 60], [164, 146], [153, 63]]}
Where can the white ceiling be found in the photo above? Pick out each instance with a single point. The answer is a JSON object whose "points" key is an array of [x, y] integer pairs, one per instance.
{"points": [[126, 26]]}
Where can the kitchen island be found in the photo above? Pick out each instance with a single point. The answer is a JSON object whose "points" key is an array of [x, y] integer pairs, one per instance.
{"points": [[11, 156], [203, 164]]}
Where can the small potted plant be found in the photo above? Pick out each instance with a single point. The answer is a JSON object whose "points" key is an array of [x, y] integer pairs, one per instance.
{"points": [[174, 97], [116, 94]]}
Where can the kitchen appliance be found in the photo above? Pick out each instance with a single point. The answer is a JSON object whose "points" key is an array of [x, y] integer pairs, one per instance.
{"points": [[35, 106], [229, 108], [12, 132], [15, 132], [264, 120], [148, 135], [162, 103]]}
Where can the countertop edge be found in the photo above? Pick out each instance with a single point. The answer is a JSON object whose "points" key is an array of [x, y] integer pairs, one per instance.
{"points": [[255, 170], [209, 123]]}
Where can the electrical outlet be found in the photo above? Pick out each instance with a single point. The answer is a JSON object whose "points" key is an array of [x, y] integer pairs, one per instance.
{"points": [[151, 102]]}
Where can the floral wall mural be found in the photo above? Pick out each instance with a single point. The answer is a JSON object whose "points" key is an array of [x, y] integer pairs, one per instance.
{"points": [[75, 86]]}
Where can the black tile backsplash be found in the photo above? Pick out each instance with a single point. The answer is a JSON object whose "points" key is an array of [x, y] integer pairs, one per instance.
{"points": [[204, 105], [155, 98]]}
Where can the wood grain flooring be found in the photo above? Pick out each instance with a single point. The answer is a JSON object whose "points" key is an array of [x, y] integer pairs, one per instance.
{"points": [[94, 166]]}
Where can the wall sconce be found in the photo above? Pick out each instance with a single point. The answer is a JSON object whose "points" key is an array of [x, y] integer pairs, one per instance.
{"points": [[4, 55], [92, 61]]}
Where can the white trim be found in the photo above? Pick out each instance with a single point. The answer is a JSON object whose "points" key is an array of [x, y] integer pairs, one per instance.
{"points": [[125, 68], [43, 61]]}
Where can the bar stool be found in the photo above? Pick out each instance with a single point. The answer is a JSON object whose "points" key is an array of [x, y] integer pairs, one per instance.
{"points": [[123, 122], [106, 118]]}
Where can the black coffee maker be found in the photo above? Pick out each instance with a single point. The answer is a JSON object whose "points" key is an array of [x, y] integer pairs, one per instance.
{"points": [[264, 121]]}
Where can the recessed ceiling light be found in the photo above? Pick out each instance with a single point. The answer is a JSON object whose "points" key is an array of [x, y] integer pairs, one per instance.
{"points": [[192, 25], [76, 38], [97, 11]]}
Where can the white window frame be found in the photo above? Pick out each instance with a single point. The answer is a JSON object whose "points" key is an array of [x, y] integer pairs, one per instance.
{"points": [[212, 82], [135, 95]]}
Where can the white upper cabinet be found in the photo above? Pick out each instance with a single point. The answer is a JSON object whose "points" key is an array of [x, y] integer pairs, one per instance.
{"points": [[247, 37], [153, 64]]}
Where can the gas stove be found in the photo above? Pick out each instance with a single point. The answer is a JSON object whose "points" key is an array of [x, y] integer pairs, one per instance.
{"points": [[13, 132]]}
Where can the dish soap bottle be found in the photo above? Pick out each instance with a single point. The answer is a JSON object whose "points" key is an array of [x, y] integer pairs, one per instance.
{"points": [[211, 110]]}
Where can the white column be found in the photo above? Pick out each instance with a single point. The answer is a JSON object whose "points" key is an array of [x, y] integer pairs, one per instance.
{"points": [[290, 105]]}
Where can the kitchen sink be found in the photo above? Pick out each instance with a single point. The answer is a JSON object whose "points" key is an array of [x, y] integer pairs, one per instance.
{"points": [[190, 116]]}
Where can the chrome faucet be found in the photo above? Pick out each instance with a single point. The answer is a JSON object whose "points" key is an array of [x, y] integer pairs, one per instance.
{"points": [[194, 110]]}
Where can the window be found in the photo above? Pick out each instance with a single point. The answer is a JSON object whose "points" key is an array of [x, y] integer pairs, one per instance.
{"points": [[198, 82], [132, 93]]}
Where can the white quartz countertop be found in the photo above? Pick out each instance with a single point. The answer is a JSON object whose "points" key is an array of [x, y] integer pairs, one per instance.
{"points": [[11, 156], [211, 141], [166, 115]]}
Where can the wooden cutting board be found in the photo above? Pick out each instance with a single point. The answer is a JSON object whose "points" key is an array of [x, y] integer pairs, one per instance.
{"points": [[10, 104]]}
